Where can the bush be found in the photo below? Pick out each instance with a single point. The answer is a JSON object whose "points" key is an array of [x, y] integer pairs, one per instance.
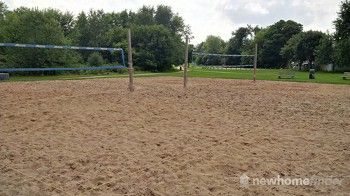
{"points": [[95, 59], [122, 71]]}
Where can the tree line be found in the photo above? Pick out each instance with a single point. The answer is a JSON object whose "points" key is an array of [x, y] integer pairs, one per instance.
{"points": [[283, 44], [156, 36], [158, 39]]}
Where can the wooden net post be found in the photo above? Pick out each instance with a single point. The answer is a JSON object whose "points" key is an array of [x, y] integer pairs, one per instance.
{"points": [[186, 64], [130, 65], [255, 61]]}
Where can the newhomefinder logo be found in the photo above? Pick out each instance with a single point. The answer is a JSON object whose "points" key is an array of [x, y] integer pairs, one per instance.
{"points": [[246, 181]]}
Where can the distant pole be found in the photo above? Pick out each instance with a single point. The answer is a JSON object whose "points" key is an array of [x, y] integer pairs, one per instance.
{"points": [[186, 64], [255, 60], [130, 66]]}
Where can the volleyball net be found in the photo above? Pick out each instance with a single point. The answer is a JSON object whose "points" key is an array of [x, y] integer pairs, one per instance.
{"points": [[116, 57]]}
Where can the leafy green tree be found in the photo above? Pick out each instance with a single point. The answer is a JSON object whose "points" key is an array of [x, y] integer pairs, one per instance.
{"points": [[97, 26], [341, 54], [125, 19], [3, 10], [178, 25], [325, 51], [302, 47], [272, 39], [91, 30], [240, 39], [289, 51], [145, 16], [342, 36], [155, 48], [213, 44], [163, 16], [66, 20], [342, 23], [82, 29], [116, 37], [248, 46], [39, 27], [67, 23]]}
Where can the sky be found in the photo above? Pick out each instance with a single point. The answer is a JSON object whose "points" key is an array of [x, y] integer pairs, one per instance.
{"points": [[213, 17]]}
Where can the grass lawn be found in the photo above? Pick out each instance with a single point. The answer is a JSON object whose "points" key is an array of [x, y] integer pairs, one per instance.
{"points": [[268, 74], [262, 74]]}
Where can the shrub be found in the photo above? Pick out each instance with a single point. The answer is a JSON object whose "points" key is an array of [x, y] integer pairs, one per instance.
{"points": [[122, 71], [95, 59]]}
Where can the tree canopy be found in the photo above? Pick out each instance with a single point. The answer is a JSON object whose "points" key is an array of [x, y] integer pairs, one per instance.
{"points": [[156, 33], [342, 36], [272, 39], [213, 44], [285, 42], [325, 51], [301, 47]]}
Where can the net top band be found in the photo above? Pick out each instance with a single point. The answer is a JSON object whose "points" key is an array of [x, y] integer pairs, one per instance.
{"points": [[58, 47], [222, 55]]}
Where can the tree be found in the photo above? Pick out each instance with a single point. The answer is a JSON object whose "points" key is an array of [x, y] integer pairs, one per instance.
{"points": [[237, 43], [156, 49], [97, 28], [91, 30], [157, 46], [272, 39], [145, 16], [213, 44], [25, 25], [341, 54], [325, 51], [82, 30], [125, 19], [66, 20], [3, 10], [163, 16], [302, 47], [342, 23], [342, 36], [289, 51], [178, 25]]}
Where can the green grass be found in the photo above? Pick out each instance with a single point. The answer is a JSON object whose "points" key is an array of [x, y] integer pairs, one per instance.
{"points": [[268, 74], [262, 74]]}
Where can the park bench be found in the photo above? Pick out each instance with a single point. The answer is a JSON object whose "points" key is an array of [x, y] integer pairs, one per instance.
{"points": [[286, 74], [4, 76], [346, 75]]}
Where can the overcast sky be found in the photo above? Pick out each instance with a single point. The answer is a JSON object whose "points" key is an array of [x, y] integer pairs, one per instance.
{"points": [[213, 17]]}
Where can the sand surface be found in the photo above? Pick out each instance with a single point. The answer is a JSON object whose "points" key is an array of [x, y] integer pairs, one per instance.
{"points": [[94, 137]]}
